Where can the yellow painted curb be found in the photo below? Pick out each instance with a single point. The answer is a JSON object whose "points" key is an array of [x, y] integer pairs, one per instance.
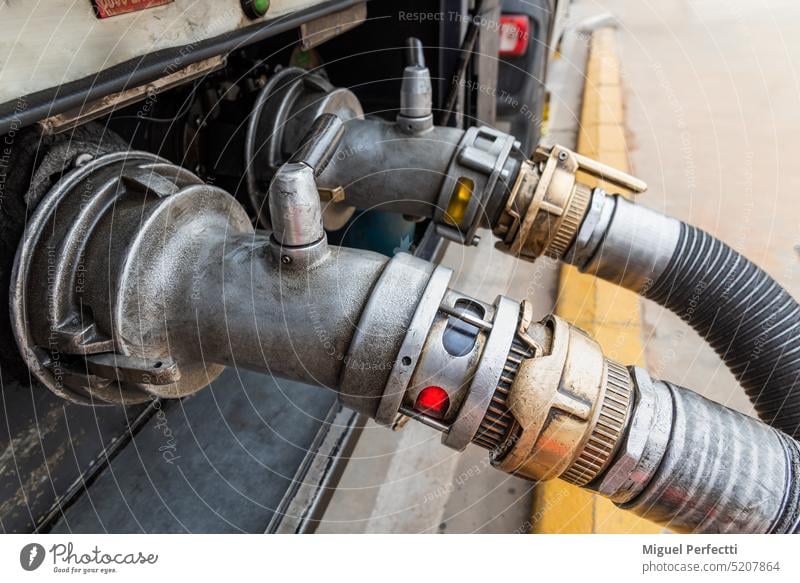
{"points": [[607, 312]]}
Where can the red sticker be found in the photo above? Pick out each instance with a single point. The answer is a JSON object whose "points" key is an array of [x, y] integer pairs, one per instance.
{"points": [[106, 8]]}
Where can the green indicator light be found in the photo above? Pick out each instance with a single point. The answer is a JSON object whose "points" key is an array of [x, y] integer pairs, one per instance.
{"points": [[255, 8]]}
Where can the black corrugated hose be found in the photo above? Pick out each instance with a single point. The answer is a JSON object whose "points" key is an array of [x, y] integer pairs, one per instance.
{"points": [[744, 314]]}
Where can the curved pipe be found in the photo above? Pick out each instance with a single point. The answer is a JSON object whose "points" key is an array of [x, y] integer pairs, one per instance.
{"points": [[380, 166], [741, 311], [185, 287], [747, 317]]}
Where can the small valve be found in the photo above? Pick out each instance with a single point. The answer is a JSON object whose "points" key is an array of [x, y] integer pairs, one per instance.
{"points": [[416, 93]]}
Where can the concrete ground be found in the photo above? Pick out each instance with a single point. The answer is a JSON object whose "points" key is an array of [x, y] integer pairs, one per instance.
{"points": [[712, 95]]}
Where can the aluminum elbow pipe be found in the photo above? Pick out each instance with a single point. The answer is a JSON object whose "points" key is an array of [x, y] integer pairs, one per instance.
{"points": [[157, 281], [458, 178], [136, 281]]}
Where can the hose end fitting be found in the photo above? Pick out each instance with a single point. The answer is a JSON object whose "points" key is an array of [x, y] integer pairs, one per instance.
{"points": [[571, 407], [548, 203]]}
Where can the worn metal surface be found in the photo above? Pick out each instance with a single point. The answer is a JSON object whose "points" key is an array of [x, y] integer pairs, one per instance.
{"points": [[49, 449], [220, 461], [549, 202], [244, 314], [571, 409], [110, 103]]}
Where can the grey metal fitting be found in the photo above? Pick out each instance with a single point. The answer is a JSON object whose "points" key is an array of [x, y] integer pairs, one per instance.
{"points": [[185, 287], [293, 197], [282, 115], [643, 447], [294, 206], [416, 92], [484, 163], [416, 101], [456, 346], [410, 166], [378, 166], [695, 466], [623, 242]]}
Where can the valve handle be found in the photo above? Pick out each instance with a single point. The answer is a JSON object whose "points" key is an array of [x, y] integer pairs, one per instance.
{"points": [[414, 55], [593, 167]]}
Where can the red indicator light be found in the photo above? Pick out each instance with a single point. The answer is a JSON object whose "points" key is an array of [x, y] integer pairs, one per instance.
{"points": [[433, 402], [514, 31]]}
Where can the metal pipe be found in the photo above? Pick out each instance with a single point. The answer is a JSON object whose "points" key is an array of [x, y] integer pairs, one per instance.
{"points": [[180, 285], [379, 166], [658, 450]]}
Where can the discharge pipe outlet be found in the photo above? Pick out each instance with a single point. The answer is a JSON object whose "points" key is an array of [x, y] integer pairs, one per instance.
{"points": [[465, 180], [136, 281], [459, 178]]}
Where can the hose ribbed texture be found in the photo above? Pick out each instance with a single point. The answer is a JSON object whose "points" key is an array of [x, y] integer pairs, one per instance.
{"points": [[746, 317]]}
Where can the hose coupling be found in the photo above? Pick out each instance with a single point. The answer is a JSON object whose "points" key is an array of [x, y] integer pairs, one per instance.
{"points": [[571, 407], [548, 202]]}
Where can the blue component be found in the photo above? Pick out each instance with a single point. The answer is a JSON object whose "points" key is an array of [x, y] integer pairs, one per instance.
{"points": [[459, 337], [386, 233]]}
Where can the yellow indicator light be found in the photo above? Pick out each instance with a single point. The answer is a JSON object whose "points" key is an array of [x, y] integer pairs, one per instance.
{"points": [[459, 201]]}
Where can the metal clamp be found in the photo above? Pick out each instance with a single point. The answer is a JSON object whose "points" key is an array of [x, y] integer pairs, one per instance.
{"points": [[481, 159], [486, 377], [412, 345], [547, 204]]}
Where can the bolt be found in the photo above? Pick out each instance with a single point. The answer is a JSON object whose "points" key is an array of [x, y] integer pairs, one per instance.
{"points": [[285, 259], [562, 155]]}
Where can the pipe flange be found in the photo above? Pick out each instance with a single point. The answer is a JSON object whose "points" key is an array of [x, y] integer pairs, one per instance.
{"points": [[412, 345], [80, 351]]}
